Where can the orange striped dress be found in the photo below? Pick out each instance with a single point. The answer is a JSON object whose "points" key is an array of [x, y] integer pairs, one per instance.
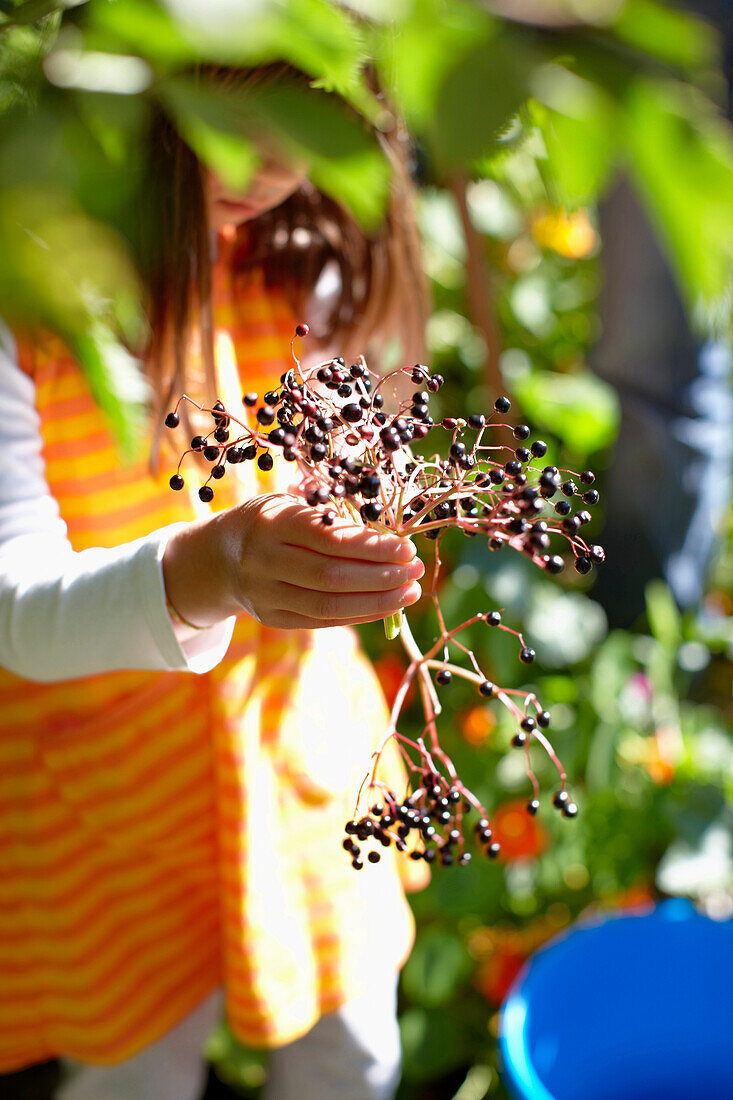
{"points": [[163, 833]]}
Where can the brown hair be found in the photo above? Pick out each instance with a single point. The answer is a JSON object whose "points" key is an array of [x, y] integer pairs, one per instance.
{"points": [[383, 291]]}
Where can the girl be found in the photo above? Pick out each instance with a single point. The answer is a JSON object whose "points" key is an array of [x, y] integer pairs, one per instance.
{"points": [[182, 740]]}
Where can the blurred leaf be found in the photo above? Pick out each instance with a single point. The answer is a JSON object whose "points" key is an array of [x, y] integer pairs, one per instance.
{"points": [[479, 97], [681, 159], [416, 56], [116, 382], [315, 36], [579, 408], [143, 26], [345, 160], [666, 32], [579, 129], [71, 275], [438, 966], [663, 616], [31, 11], [433, 1043]]}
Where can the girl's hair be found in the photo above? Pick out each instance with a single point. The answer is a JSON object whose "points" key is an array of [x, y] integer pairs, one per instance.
{"points": [[382, 290]]}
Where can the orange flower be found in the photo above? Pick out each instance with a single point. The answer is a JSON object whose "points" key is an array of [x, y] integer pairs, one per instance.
{"points": [[494, 976], [660, 756], [476, 725], [520, 835], [570, 235], [390, 668]]}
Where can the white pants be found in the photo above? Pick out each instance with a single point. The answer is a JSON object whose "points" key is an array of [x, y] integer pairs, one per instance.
{"points": [[351, 1054]]}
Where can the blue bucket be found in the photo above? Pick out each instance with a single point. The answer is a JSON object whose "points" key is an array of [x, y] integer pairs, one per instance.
{"points": [[634, 1007]]}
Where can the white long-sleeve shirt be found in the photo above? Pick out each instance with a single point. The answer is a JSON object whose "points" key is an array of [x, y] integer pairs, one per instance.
{"points": [[66, 613]]}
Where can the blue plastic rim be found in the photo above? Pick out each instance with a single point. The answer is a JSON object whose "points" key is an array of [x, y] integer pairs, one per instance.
{"points": [[637, 1006]]}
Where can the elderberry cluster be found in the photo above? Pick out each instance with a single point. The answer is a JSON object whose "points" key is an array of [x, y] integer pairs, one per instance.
{"points": [[431, 822], [355, 459]]}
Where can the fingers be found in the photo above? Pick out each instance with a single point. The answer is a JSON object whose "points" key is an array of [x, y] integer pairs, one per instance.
{"points": [[335, 607], [349, 540], [326, 573], [290, 620]]}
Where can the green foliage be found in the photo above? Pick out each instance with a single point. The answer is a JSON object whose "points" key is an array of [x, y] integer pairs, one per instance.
{"points": [[485, 94]]}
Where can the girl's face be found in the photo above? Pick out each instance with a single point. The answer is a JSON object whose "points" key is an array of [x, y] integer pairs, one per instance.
{"points": [[272, 184]]}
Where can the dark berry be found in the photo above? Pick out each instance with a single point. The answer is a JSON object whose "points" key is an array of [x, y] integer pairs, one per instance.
{"points": [[211, 454], [493, 850], [570, 809], [266, 414], [176, 482], [249, 452], [563, 507], [357, 864], [587, 477], [464, 859], [351, 827], [197, 443], [597, 553], [583, 565], [250, 398], [560, 798], [221, 435], [476, 421], [371, 510], [218, 471], [539, 448], [172, 420], [584, 517], [519, 740], [443, 676], [533, 806], [374, 857], [591, 497], [544, 719], [521, 431], [206, 493], [555, 564], [527, 655], [486, 688], [369, 486], [522, 454], [493, 618], [502, 404], [265, 461], [528, 723], [301, 330]]}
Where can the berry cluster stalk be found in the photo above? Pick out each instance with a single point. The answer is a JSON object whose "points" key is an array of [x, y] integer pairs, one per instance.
{"points": [[353, 460]]}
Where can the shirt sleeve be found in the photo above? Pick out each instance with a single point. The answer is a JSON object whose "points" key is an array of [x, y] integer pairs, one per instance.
{"points": [[65, 613]]}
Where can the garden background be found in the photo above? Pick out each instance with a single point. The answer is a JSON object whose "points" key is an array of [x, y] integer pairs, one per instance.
{"points": [[526, 114]]}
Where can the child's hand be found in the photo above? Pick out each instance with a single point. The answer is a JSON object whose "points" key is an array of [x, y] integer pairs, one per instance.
{"points": [[273, 558]]}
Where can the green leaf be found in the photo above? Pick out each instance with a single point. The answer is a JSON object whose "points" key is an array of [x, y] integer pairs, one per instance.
{"points": [[414, 57], [578, 123], [663, 616], [345, 159], [438, 966], [315, 36], [433, 1043], [66, 273], [579, 408], [31, 12], [666, 32], [479, 97], [680, 156]]}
